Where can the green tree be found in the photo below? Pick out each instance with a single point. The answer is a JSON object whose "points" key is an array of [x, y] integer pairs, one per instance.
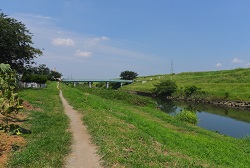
{"points": [[16, 44], [128, 75], [54, 75], [165, 88]]}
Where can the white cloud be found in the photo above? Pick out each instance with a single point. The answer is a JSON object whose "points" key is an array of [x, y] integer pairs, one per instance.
{"points": [[237, 60], [96, 40], [63, 42], [218, 65], [248, 64], [80, 53]]}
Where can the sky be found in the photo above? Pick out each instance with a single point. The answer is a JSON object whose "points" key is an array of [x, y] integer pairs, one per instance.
{"points": [[98, 39]]}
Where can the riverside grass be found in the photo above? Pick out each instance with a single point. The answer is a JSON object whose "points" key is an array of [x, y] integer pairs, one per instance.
{"points": [[225, 84], [49, 141], [140, 135]]}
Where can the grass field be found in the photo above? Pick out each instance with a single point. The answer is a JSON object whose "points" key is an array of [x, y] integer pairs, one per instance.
{"points": [[131, 132], [49, 141], [217, 84]]}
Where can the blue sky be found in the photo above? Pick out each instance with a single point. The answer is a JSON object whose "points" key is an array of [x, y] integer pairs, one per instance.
{"points": [[102, 38]]}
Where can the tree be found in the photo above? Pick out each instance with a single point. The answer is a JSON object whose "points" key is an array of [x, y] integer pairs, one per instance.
{"points": [[165, 88], [16, 44], [128, 75], [54, 75], [39, 74]]}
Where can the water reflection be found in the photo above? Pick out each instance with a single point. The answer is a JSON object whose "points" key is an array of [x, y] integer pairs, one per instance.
{"points": [[228, 121]]}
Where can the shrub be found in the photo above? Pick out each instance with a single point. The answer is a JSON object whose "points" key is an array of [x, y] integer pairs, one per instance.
{"points": [[9, 101], [165, 88], [190, 90], [187, 116]]}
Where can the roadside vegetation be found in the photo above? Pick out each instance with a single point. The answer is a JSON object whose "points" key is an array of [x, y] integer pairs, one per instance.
{"points": [[211, 85], [132, 132], [49, 141]]}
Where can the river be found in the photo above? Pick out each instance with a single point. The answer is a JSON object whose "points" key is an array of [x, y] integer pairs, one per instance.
{"points": [[224, 120]]}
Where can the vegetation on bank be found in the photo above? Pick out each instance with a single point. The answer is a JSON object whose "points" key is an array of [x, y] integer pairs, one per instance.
{"points": [[132, 134], [49, 141], [211, 85]]}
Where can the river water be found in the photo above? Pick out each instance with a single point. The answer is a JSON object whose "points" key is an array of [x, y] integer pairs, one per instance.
{"points": [[224, 120]]}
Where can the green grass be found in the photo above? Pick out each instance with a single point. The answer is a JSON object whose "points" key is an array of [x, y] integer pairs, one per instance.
{"points": [[216, 84], [140, 135], [49, 141]]}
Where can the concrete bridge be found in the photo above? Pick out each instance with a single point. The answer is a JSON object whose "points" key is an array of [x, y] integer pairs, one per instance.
{"points": [[90, 81]]}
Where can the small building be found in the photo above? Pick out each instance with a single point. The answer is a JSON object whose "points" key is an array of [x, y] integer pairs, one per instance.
{"points": [[32, 85]]}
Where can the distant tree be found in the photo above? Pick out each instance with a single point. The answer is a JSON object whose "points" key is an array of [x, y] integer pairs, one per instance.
{"points": [[16, 44], [54, 75], [40, 73], [128, 75], [165, 88]]}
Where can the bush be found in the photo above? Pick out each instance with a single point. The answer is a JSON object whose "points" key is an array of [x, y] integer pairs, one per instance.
{"points": [[9, 101], [165, 88], [187, 116], [190, 90], [34, 78]]}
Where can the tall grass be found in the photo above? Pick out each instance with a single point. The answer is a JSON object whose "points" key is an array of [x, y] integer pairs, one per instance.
{"points": [[130, 135], [49, 141]]}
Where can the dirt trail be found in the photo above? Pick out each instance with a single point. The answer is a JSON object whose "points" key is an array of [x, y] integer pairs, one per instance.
{"points": [[83, 154]]}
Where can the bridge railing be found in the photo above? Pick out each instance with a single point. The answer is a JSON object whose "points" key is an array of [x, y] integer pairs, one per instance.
{"points": [[90, 81]]}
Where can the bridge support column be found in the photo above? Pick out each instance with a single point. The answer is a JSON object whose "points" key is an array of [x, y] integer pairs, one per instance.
{"points": [[90, 84], [121, 84], [107, 85], [74, 83]]}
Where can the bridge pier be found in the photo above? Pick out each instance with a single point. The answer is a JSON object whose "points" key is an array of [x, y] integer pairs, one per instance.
{"points": [[107, 85], [90, 84]]}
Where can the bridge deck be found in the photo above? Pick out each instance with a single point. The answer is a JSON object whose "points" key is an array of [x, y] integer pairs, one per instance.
{"points": [[97, 80]]}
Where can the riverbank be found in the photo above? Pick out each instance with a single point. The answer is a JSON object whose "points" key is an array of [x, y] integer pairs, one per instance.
{"points": [[245, 105], [131, 132], [224, 88], [226, 103]]}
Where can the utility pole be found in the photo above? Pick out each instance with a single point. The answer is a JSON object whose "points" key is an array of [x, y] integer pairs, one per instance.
{"points": [[172, 67]]}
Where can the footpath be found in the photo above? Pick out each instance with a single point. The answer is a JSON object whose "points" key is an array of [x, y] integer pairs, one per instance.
{"points": [[83, 152]]}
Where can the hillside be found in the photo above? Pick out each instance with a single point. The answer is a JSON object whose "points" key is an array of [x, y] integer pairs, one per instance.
{"points": [[229, 84]]}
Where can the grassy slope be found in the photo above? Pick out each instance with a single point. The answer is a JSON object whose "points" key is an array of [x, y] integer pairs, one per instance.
{"points": [[49, 142], [215, 83], [142, 136]]}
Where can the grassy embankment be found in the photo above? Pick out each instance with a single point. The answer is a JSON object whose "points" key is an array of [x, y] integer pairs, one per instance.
{"points": [[131, 132], [49, 141], [226, 84]]}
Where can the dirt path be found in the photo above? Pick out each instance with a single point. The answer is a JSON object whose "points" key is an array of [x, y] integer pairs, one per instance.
{"points": [[83, 154]]}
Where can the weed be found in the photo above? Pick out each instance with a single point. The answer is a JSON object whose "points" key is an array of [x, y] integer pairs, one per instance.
{"points": [[187, 116]]}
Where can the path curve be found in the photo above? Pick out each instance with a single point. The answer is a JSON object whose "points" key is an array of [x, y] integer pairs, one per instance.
{"points": [[83, 154]]}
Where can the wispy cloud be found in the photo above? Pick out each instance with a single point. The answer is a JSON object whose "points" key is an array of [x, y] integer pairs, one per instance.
{"points": [[109, 53], [85, 54], [218, 65], [96, 40], [248, 64], [63, 42], [237, 60]]}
